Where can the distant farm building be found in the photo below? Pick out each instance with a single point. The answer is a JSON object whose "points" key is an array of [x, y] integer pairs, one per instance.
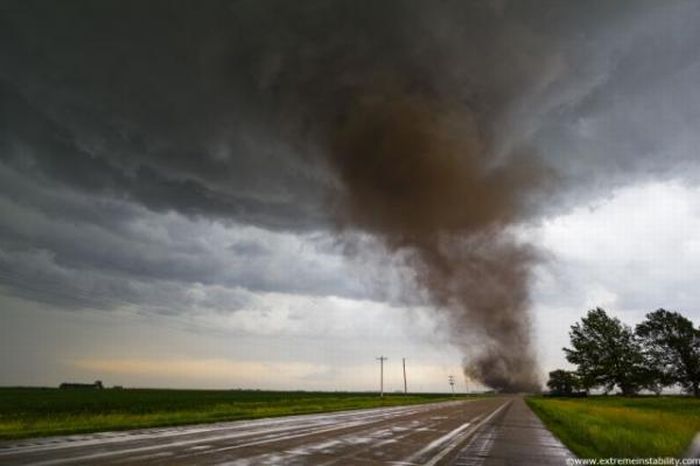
{"points": [[96, 385]]}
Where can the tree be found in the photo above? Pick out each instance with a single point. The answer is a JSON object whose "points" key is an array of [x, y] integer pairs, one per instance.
{"points": [[671, 346], [607, 353], [562, 382]]}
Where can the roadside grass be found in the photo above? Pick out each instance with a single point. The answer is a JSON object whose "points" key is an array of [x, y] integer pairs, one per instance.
{"points": [[35, 412], [621, 427]]}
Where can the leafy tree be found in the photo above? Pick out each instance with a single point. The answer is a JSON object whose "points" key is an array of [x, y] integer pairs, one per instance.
{"points": [[652, 379], [671, 348], [562, 382], [607, 353]]}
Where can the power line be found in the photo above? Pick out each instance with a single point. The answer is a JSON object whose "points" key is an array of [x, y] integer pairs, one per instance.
{"points": [[451, 381], [381, 360], [405, 386]]}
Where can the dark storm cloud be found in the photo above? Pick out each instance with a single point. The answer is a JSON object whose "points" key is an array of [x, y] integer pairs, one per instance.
{"points": [[627, 107], [188, 107], [432, 127], [47, 149], [144, 101]]}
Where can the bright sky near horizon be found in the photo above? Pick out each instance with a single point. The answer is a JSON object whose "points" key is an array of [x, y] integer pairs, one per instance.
{"points": [[163, 224]]}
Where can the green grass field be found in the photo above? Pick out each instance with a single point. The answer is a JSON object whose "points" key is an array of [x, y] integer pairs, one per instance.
{"points": [[611, 426], [33, 412]]}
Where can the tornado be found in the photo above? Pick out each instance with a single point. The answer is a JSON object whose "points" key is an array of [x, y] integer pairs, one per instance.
{"points": [[410, 130], [417, 174]]}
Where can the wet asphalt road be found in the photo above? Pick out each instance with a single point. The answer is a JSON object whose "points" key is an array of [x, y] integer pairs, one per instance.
{"points": [[423, 434]]}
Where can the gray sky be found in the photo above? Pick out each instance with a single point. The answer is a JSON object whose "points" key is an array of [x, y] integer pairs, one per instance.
{"points": [[169, 216]]}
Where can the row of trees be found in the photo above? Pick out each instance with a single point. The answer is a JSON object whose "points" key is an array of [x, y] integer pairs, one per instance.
{"points": [[662, 351]]}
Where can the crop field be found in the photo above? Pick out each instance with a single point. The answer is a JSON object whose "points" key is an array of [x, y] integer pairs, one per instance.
{"points": [[33, 412], [622, 427]]}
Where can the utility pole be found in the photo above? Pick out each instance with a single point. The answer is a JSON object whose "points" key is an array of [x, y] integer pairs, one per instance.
{"points": [[381, 360], [405, 386], [451, 380]]}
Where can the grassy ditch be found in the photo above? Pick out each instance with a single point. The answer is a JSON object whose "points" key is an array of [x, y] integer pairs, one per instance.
{"points": [[34, 412], [621, 427]]}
